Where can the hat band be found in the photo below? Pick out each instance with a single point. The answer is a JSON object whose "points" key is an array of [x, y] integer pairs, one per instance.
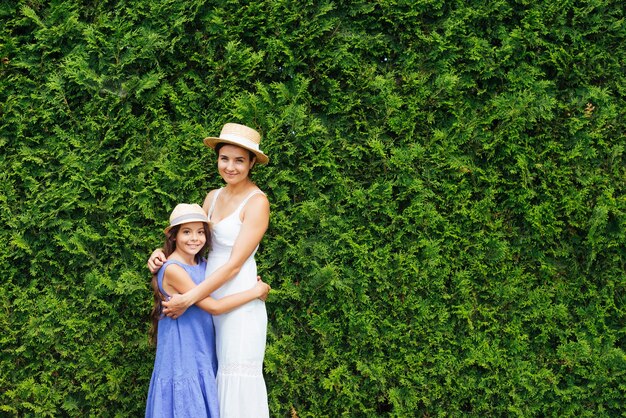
{"points": [[188, 218], [241, 140]]}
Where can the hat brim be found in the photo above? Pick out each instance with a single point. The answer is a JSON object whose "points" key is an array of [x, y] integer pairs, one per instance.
{"points": [[166, 230], [211, 142]]}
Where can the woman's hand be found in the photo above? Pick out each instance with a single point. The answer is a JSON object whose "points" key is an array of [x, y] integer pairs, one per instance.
{"points": [[176, 306], [156, 260], [262, 288]]}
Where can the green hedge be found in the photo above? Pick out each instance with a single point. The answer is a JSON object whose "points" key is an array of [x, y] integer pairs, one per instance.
{"points": [[447, 182]]}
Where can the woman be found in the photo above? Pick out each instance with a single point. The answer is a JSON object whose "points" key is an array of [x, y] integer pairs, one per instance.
{"points": [[239, 216]]}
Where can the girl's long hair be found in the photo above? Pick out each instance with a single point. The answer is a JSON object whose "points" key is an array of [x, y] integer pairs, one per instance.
{"points": [[168, 248]]}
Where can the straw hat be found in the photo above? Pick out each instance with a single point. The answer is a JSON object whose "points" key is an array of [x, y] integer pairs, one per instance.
{"points": [[242, 136], [185, 212]]}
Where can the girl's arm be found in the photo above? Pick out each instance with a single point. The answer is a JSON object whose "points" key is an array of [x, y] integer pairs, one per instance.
{"points": [[255, 222], [176, 279]]}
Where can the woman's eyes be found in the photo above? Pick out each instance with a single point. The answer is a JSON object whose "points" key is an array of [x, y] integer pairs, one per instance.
{"points": [[238, 160]]}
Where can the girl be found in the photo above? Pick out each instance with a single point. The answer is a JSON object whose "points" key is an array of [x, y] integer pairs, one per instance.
{"points": [[184, 378], [239, 213]]}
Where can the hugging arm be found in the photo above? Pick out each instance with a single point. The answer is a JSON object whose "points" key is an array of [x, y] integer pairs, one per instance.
{"points": [[156, 260], [177, 280], [255, 223]]}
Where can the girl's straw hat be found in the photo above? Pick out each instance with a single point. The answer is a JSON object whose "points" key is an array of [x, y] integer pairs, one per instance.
{"points": [[242, 136], [185, 212]]}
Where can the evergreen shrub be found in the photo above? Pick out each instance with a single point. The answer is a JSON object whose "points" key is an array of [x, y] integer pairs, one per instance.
{"points": [[447, 182]]}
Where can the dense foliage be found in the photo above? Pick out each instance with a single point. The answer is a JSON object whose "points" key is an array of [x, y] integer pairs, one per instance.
{"points": [[447, 183]]}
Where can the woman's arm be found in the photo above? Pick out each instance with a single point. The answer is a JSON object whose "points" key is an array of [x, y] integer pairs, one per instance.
{"points": [[176, 279], [156, 260], [255, 222]]}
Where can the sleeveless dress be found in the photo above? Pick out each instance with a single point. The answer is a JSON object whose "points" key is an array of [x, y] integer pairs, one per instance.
{"points": [[183, 382], [240, 334]]}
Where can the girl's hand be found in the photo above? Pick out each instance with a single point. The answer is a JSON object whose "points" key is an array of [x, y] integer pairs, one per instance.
{"points": [[156, 260], [176, 306], [262, 289]]}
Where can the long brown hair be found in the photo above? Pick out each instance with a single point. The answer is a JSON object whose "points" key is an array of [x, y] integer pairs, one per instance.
{"points": [[168, 248]]}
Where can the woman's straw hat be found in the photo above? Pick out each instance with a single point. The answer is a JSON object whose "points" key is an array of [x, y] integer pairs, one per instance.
{"points": [[185, 212], [242, 136]]}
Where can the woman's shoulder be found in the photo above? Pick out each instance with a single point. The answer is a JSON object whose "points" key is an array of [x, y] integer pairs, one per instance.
{"points": [[208, 199], [212, 193], [257, 204], [257, 195]]}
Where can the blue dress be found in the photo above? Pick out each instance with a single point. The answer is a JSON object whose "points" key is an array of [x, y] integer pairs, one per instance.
{"points": [[183, 381]]}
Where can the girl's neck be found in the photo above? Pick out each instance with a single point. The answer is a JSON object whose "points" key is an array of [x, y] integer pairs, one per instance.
{"points": [[183, 258]]}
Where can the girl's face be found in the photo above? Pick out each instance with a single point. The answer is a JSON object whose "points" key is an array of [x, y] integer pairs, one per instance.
{"points": [[233, 163], [190, 238]]}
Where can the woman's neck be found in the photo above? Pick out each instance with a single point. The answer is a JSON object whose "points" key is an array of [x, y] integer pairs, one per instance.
{"points": [[240, 188]]}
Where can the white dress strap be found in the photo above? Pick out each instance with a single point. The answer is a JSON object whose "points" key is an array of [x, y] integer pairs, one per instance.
{"points": [[252, 193], [217, 193]]}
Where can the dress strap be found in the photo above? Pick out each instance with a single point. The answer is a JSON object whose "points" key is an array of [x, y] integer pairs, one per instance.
{"points": [[213, 203], [252, 193]]}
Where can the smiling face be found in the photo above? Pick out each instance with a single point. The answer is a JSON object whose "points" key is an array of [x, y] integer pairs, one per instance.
{"points": [[234, 163], [190, 238]]}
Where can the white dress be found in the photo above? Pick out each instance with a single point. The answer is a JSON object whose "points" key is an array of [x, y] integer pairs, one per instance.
{"points": [[240, 334]]}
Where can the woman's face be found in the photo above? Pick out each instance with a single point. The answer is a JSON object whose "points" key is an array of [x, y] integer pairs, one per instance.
{"points": [[233, 163]]}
